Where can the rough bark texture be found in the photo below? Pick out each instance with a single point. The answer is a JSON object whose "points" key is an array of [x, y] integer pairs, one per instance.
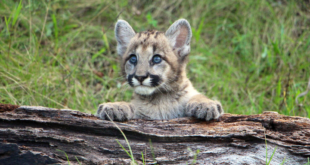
{"points": [[39, 135]]}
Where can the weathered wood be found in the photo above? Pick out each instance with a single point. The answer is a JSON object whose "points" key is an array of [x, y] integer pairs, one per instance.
{"points": [[35, 135]]}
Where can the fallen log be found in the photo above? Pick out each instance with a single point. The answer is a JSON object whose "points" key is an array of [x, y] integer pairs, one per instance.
{"points": [[40, 135]]}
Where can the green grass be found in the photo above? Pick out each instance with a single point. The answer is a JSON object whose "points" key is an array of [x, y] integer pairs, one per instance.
{"points": [[253, 56], [274, 151]]}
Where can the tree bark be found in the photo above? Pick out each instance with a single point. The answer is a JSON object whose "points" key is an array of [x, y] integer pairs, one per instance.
{"points": [[40, 135]]}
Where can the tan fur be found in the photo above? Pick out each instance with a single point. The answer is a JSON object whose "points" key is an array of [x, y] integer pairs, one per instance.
{"points": [[173, 96]]}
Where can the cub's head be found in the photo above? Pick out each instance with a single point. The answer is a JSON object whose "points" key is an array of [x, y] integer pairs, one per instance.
{"points": [[153, 61]]}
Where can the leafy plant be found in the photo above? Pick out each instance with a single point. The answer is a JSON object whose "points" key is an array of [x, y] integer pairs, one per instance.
{"points": [[150, 20]]}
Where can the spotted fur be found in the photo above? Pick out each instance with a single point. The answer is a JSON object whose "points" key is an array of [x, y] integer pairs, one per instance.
{"points": [[154, 64]]}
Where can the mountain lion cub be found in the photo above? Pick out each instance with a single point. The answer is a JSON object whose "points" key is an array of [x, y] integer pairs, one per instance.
{"points": [[154, 64]]}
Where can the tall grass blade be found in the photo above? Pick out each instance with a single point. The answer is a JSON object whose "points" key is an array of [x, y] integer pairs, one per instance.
{"points": [[303, 93], [7, 24], [152, 150], [283, 161], [131, 154], [17, 12], [274, 151], [123, 148], [65, 154], [78, 160], [143, 161], [55, 30]]}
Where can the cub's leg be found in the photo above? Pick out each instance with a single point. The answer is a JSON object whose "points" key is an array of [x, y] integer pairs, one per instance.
{"points": [[119, 111], [201, 107]]}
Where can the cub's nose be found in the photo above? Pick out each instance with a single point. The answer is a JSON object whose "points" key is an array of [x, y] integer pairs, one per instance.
{"points": [[141, 78]]}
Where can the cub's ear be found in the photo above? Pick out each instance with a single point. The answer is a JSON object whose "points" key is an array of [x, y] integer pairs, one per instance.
{"points": [[123, 34], [179, 34]]}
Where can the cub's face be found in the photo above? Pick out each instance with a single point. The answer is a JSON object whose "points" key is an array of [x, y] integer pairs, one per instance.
{"points": [[153, 61], [150, 64]]}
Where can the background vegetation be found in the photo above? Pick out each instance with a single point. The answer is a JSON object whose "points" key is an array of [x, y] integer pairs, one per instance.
{"points": [[253, 56]]}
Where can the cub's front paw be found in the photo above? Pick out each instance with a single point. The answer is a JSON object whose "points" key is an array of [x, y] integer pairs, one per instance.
{"points": [[208, 109], [119, 111]]}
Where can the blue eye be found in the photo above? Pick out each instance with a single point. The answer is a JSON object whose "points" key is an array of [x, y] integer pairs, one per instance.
{"points": [[156, 59], [133, 59]]}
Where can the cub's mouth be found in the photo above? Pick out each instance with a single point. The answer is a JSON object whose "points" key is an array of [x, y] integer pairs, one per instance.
{"points": [[144, 85]]}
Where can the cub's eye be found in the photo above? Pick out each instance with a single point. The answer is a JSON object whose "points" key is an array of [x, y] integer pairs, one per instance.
{"points": [[156, 59], [133, 59]]}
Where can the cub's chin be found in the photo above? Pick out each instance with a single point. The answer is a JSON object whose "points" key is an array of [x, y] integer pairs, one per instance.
{"points": [[144, 90]]}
